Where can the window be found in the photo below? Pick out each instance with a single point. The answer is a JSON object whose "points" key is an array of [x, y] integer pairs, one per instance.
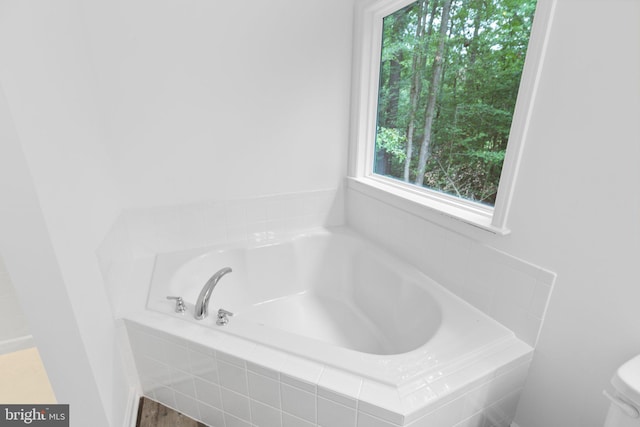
{"points": [[442, 104]]}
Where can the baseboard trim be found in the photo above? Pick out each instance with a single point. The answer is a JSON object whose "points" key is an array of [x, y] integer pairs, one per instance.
{"points": [[131, 415]]}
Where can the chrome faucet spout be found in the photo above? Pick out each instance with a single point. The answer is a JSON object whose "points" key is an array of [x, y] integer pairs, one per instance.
{"points": [[202, 305]]}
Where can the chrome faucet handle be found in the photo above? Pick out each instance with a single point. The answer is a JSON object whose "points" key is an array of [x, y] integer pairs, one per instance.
{"points": [[180, 306], [222, 317]]}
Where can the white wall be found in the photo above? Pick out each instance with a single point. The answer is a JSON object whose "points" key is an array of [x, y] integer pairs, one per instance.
{"points": [[578, 207], [576, 212], [59, 201], [111, 105], [219, 100], [26, 246]]}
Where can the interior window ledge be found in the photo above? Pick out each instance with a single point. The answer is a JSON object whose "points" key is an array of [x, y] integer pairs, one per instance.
{"points": [[431, 208]]}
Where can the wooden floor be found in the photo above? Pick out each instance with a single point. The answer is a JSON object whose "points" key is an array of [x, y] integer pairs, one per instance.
{"points": [[154, 414]]}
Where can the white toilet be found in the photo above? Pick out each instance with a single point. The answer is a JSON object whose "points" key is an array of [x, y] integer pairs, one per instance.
{"points": [[625, 402]]}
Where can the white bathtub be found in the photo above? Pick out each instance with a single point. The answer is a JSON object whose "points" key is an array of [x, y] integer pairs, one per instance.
{"points": [[332, 298]]}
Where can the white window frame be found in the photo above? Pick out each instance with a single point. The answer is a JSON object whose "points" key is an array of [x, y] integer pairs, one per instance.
{"points": [[420, 201]]}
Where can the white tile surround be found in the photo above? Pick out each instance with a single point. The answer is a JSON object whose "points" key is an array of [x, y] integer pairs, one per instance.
{"points": [[171, 228], [142, 233], [264, 387], [512, 291]]}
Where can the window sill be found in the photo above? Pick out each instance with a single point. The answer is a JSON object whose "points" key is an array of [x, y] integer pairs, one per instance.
{"points": [[432, 207]]}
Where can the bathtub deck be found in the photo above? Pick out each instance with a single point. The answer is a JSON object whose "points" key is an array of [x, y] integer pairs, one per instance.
{"points": [[154, 414]]}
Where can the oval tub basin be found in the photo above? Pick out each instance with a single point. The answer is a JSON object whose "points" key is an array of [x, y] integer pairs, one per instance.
{"points": [[330, 296]]}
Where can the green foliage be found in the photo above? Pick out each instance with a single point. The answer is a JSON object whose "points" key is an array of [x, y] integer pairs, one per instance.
{"points": [[491, 158], [392, 142], [483, 60]]}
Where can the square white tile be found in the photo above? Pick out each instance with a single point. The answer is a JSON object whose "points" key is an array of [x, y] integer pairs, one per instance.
{"points": [[235, 404], [264, 389], [233, 377], [298, 402], [335, 415], [264, 415]]}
